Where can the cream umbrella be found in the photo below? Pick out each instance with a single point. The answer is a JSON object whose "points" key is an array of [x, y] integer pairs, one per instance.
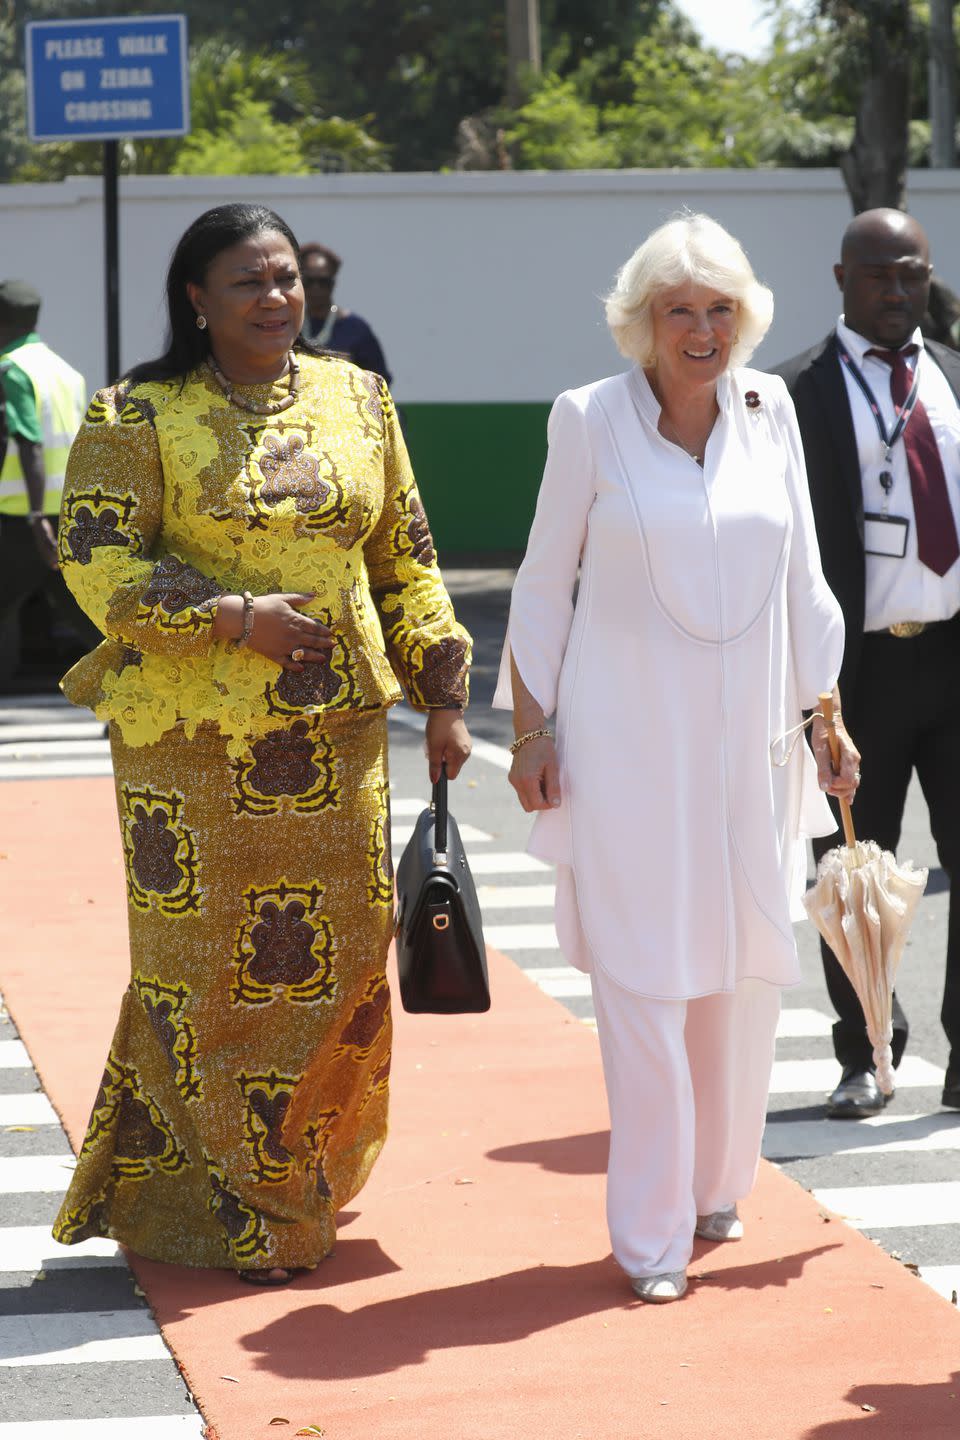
{"points": [[863, 902]]}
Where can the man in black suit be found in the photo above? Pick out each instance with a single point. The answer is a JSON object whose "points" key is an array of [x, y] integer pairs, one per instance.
{"points": [[886, 497]]}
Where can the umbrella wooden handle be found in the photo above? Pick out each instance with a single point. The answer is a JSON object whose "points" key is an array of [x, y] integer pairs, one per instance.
{"points": [[826, 710]]}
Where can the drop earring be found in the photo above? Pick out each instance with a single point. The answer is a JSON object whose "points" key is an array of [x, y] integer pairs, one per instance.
{"points": [[201, 322]]}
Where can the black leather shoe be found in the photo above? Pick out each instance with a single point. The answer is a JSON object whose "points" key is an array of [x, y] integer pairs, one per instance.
{"points": [[856, 1096], [951, 1091]]}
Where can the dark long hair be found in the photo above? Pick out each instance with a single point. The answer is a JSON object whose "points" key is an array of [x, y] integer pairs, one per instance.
{"points": [[212, 232]]}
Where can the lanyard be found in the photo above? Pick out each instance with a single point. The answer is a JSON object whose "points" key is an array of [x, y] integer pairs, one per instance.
{"points": [[906, 411]]}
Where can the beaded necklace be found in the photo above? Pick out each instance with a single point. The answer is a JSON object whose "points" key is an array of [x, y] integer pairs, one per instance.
{"points": [[272, 407]]}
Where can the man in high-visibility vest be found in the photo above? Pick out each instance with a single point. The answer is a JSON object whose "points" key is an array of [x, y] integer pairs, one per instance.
{"points": [[45, 401], [3, 427]]}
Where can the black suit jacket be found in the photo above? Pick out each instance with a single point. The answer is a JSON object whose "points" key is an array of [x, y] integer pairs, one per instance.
{"points": [[816, 383]]}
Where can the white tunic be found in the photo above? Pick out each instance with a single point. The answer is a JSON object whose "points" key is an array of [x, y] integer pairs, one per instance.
{"points": [[702, 625]]}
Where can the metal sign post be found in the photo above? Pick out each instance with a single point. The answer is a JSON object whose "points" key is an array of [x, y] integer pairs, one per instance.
{"points": [[111, 254], [108, 80]]}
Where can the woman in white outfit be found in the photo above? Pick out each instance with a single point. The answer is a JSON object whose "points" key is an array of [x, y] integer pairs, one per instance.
{"points": [[671, 800]]}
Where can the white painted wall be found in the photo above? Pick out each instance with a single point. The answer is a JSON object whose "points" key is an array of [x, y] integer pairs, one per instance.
{"points": [[482, 287]]}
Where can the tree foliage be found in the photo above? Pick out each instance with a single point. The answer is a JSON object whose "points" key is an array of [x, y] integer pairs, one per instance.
{"points": [[249, 142], [875, 166], [669, 100], [674, 102], [414, 84]]}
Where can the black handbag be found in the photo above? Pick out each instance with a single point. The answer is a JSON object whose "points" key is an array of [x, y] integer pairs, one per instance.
{"points": [[441, 956]]}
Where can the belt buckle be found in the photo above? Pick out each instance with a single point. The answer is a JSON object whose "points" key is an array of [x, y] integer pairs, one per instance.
{"points": [[907, 629]]}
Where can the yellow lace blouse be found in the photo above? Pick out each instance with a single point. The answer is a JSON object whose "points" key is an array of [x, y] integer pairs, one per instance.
{"points": [[174, 497]]}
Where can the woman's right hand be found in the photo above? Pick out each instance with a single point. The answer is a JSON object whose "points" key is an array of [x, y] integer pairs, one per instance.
{"points": [[535, 775], [278, 629]]}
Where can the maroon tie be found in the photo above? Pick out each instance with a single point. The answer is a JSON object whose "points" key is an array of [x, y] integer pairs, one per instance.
{"points": [[937, 544]]}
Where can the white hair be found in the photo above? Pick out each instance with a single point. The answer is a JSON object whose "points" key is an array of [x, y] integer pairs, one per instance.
{"points": [[687, 248]]}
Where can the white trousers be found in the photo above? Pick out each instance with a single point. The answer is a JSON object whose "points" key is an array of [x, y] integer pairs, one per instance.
{"points": [[687, 1084]]}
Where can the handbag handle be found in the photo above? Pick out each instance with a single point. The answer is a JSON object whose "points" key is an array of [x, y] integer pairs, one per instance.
{"points": [[440, 811]]}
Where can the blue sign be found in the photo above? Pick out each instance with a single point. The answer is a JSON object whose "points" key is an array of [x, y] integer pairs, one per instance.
{"points": [[107, 79]]}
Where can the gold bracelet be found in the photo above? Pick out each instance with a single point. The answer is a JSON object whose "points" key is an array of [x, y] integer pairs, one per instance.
{"points": [[530, 735]]}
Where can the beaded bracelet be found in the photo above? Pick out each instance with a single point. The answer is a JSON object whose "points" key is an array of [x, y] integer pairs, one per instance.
{"points": [[530, 735], [247, 630]]}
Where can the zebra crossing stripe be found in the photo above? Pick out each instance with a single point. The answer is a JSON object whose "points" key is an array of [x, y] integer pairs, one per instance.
{"points": [[468, 833], [504, 862], [25, 708], [84, 1337], [36, 1174], [55, 769], [507, 862], [29, 1248], [874, 1135], [509, 938], [790, 1076], [71, 748], [945, 1279], [891, 1207], [13, 1055], [802, 1024], [43, 737], [516, 897], [38, 736], [32, 1109], [76, 1334], [407, 807], [562, 982], [143, 1427], [482, 749]]}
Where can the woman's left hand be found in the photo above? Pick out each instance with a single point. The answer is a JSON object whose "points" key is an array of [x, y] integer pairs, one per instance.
{"points": [[841, 782], [447, 741]]}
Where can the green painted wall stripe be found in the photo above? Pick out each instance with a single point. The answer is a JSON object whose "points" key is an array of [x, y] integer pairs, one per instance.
{"points": [[478, 468]]}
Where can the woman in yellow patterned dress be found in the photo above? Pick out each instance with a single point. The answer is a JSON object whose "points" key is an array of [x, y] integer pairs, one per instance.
{"points": [[241, 521]]}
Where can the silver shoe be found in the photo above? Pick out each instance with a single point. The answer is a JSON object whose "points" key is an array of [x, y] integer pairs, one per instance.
{"points": [[660, 1289], [721, 1225]]}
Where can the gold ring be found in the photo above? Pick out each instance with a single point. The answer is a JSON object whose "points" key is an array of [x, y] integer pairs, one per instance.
{"points": [[297, 655]]}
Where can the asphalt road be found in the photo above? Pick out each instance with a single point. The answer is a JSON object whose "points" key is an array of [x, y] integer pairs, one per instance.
{"points": [[918, 1224], [897, 1179]]}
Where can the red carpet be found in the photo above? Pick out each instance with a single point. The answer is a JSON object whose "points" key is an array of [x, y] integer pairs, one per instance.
{"points": [[472, 1295]]}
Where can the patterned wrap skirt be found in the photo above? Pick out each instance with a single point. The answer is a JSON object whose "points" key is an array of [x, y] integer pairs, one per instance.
{"points": [[244, 1099]]}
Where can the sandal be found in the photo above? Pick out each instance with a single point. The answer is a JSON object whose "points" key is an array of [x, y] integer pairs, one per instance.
{"points": [[278, 1275]]}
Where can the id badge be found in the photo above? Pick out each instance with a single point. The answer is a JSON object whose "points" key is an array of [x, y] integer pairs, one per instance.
{"points": [[885, 535]]}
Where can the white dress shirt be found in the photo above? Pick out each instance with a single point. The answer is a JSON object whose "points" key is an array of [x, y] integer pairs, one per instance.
{"points": [[903, 589]]}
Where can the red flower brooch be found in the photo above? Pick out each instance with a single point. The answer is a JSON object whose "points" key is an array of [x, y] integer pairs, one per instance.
{"points": [[752, 400]]}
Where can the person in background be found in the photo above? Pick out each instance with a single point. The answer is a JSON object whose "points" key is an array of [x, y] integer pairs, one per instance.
{"points": [[880, 420], [3, 427], [327, 325], [241, 519], [671, 797], [44, 399]]}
